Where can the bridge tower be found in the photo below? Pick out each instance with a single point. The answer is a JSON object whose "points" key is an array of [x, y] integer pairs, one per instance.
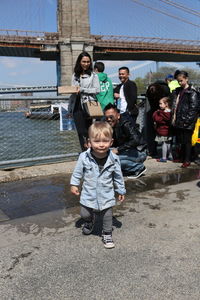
{"points": [[74, 36]]}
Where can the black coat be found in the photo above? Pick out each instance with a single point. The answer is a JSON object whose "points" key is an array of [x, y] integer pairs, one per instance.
{"points": [[127, 137], [187, 110], [130, 93]]}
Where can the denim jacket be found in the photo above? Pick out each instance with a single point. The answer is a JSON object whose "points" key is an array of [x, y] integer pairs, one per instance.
{"points": [[99, 187]]}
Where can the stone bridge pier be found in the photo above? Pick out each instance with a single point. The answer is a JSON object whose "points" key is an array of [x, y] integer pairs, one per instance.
{"points": [[74, 36]]}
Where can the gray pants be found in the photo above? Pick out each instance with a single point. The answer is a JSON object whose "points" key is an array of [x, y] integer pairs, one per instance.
{"points": [[87, 214], [166, 150]]}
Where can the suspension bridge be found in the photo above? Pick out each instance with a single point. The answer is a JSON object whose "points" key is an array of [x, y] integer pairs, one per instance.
{"points": [[73, 36], [45, 46]]}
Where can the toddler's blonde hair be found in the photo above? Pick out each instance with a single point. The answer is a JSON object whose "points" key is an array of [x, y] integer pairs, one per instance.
{"points": [[98, 128]]}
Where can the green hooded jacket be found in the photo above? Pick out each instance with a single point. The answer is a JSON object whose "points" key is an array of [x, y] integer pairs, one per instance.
{"points": [[173, 85], [106, 90]]}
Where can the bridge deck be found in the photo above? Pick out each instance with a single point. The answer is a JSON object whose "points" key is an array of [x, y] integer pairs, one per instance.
{"points": [[106, 47]]}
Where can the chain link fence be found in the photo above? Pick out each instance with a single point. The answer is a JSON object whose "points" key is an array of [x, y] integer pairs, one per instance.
{"points": [[32, 134], [29, 137]]}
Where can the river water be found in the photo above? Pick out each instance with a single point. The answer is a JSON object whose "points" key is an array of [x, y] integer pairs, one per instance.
{"points": [[22, 138]]}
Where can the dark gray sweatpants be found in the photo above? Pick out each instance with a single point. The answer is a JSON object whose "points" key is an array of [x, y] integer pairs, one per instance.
{"points": [[87, 214]]}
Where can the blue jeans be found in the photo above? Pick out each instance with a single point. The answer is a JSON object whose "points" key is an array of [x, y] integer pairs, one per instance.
{"points": [[132, 161]]}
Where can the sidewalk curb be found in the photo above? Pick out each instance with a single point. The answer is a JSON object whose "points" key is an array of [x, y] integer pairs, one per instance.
{"points": [[153, 168]]}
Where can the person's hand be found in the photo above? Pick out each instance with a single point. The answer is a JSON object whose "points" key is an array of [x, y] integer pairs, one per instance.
{"points": [[74, 190], [116, 95], [115, 150], [121, 198], [78, 89]]}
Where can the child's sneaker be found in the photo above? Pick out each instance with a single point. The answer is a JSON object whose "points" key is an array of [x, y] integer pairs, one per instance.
{"points": [[88, 227], [163, 160], [108, 241]]}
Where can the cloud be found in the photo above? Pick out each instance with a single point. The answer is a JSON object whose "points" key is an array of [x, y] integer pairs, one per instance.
{"points": [[132, 68], [6, 84], [13, 62], [9, 63], [113, 64], [36, 61], [173, 64], [21, 72], [13, 74]]}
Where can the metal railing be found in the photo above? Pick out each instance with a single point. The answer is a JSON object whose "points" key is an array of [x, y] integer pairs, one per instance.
{"points": [[27, 140], [28, 89], [146, 43], [142, 39], [38, 37], [37, 139]]}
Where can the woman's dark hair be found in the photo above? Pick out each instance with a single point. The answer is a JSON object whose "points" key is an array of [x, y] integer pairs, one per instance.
{"points": [[155, 92], [78, 69], [176, 73], [183, 73]]}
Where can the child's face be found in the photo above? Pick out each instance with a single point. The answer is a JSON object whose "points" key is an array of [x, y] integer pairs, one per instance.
{"points": [[162, 104], [183, 81], [100, 144]]}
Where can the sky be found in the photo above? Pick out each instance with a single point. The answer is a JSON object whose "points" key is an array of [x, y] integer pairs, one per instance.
{"points": [[149, 18]]}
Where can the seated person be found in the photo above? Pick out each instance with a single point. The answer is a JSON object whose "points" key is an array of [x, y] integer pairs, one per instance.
{"points": [[128, 143]]}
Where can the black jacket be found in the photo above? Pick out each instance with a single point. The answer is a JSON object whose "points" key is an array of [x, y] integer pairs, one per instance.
{"points": [[127, 137], [187, 110], [130, 93]]}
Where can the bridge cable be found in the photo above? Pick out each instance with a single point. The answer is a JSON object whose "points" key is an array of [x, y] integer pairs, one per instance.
{"points": [[179, 6], [164, 13]]}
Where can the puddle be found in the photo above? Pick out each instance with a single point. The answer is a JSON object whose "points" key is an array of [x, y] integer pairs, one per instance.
{"points": [[35, 196], [146, 183]]}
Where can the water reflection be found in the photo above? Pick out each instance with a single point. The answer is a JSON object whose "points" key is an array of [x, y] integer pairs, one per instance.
{"points": [[146, 183], [34, 196]]}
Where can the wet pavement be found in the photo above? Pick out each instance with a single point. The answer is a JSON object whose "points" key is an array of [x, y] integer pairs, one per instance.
{"points": [[156, 254], [156, 233], [31, 197]]}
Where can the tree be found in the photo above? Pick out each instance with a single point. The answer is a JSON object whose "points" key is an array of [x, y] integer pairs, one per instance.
{"points": [[141, 86], [194, 75]]}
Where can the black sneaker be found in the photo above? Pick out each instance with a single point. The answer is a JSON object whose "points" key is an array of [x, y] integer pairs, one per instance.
{"points": [[88, 227], [108, 241], [138, 174]]}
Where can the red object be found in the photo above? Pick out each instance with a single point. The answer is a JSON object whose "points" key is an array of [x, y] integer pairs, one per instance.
{"points": [[162, 120], [185, 165]]}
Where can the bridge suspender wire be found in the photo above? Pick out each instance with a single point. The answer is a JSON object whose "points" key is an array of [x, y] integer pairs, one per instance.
{"points": [[164, 13], [181, 7]]}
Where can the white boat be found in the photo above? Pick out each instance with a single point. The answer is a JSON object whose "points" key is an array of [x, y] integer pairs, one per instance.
{"points": [[43, 111]]}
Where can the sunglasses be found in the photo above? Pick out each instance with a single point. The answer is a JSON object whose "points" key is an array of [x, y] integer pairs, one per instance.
{"points": [[110, 118]]}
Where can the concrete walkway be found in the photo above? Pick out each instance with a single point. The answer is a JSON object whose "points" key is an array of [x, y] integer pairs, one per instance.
{"points": [[156, 257], [156, 233]]}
